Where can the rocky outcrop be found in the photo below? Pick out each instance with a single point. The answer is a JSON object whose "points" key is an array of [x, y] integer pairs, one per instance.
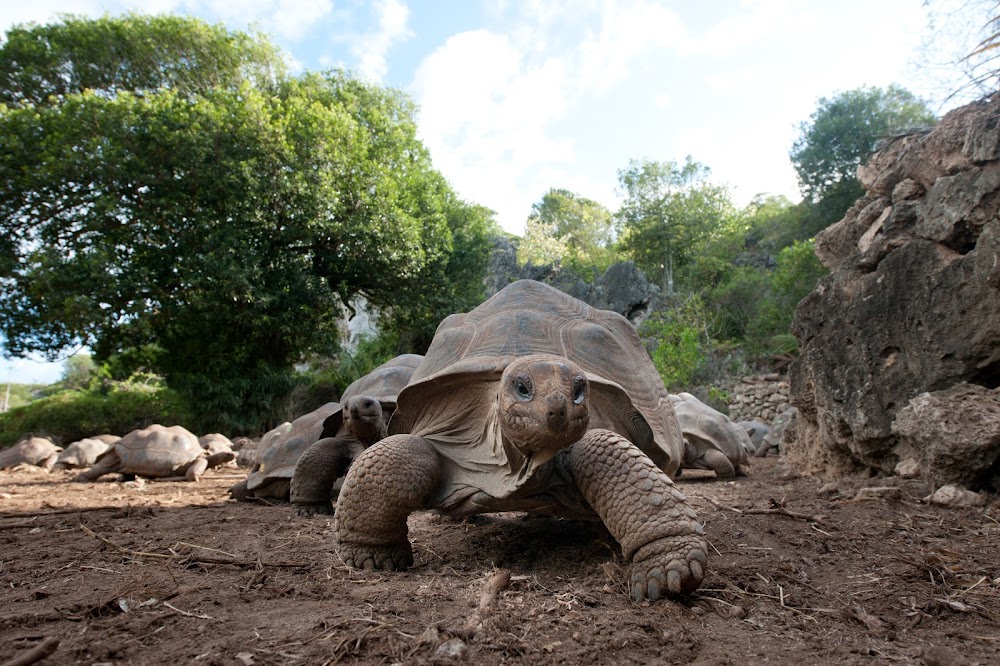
{"points": [[622, 288], [952, 435], [761, 397], [912, 304]]}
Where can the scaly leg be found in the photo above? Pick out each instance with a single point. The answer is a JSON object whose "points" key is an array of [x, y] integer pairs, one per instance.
{"points": [[651, 519], [315, 473], [387, 482]]}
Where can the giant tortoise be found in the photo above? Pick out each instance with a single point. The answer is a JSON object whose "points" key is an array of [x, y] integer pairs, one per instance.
{"points": [[533, 401], [280, 449], [712, 440], [366, 406], [156, 452], [31, 450]]}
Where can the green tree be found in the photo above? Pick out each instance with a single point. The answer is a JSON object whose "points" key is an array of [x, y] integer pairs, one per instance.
{"points": [[79, 370], [541, 244], [577, 228], [841, 135], [204, 210], [668, 210]]}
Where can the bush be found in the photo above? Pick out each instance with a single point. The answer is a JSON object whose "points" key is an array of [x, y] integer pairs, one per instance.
{"points": [[678, 342], [72, 415]]}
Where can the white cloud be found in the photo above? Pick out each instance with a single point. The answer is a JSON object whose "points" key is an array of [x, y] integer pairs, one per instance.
{"points": [[372, 48]]}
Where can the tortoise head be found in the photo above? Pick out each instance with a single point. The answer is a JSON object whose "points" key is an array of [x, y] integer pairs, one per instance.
{"points": [[363, 417], [543, 403]]}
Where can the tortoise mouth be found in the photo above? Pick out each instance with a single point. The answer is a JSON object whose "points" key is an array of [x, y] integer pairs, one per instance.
{"points": [[531, 435]]}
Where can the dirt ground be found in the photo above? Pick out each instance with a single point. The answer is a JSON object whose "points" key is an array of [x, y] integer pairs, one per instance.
{"points": [[800, 572]]}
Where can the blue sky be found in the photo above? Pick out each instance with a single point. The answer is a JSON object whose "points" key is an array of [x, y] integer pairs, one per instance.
{"points": [[519, 97]]}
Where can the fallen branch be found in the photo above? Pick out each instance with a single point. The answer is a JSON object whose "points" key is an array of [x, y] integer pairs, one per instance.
{"points": [[497, 583], [35, 654], [186, 613], [186, 558], [16, 526], [719, 505], [60, 512], [781, 511]]}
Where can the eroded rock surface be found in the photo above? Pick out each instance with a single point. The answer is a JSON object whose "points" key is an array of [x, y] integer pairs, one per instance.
{"points": [[912, 304]]}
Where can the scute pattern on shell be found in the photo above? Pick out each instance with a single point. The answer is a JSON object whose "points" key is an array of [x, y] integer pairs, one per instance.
{"points": [[529, 317], [157, 451]]}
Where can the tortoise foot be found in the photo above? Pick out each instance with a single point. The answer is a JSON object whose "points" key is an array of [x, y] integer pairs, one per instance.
{"points": [[309, 509], [396, 557], [671, 565]]}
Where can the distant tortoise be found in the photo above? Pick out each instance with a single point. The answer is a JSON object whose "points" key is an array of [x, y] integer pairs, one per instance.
{"points": [[366, 406], [82, 453], [32, 450], [712, 440], [218, 443], [777, 432], [156, 452], [246, 451], [275, 456], [757, 431], [498, 415]]}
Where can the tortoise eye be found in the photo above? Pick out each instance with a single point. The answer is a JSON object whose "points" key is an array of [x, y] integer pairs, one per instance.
{"points": [[522, 387], [579, 390]]}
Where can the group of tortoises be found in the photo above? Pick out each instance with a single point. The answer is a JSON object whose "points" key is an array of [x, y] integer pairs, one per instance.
{"points": [[533, 401]]}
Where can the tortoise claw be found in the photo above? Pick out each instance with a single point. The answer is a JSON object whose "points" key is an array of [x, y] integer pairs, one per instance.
{"points": [[675, 567], [307, 510], [372, 558]]}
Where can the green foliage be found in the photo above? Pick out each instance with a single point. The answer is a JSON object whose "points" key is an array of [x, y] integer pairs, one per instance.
{"points": [[179, 203], [72, 415], [453, 282], [842, 134], [679, 342], [79, 371], [134, 53], [541, 245], [668, 210], [570, 229]]}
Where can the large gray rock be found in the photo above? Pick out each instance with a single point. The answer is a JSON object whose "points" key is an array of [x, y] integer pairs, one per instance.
{"points": [[622, 288], [953, 434], [912, 303]]}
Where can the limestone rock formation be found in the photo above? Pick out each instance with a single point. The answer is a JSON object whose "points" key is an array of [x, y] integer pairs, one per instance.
{"points": [[622, 288], [953, 435], [912, 303]]}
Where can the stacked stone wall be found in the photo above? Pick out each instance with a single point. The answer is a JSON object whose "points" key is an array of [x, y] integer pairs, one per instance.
{"points": [[759, 398]]}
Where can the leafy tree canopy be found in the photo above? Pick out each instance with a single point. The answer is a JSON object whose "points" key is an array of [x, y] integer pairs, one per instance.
{"points": [[843, 133], [668, 209], [188, 202], [568, 227]]}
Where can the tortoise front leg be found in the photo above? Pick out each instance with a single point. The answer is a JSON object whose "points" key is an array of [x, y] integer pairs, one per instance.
{"points": [[719, 463], [315, 473], [651, 519], [387, 482]]}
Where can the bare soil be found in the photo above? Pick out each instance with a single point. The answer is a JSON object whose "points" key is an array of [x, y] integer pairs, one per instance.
{"points": [[801, 572]]}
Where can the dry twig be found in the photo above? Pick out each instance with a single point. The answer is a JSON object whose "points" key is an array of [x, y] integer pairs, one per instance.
{"points": [[35, 654], [497, 583], [187, 558]]}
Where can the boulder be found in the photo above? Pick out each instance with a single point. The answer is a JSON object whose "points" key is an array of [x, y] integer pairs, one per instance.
{"points": [[912, 303], [954, 435]]}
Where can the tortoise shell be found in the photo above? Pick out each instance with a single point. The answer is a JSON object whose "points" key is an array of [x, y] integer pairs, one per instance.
{"points": [[33, 451], [155, 451], [450, 394]]}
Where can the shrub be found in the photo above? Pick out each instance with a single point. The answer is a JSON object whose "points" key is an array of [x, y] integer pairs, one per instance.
{"points": [[74, 414]]}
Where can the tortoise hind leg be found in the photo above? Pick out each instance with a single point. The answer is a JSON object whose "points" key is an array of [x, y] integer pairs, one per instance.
{"points": [[387, 482], [651, 519]]}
